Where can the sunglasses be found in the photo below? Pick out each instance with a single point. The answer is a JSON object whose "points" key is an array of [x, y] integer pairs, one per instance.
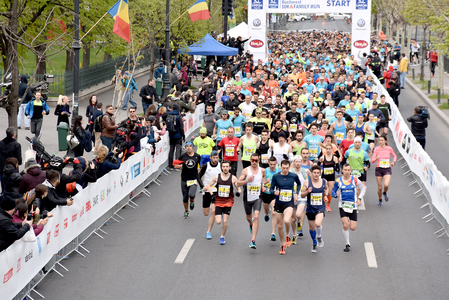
{"points": [[254, 160]]}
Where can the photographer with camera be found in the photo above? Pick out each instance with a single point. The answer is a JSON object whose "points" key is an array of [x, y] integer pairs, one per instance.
{"points": [[10, 231], [105, 165], [418, 125], [52, 199], [23, 214]]}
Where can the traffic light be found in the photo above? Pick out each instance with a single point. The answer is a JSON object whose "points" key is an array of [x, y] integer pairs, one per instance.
{"points": [[230, 4], [226, 7]]}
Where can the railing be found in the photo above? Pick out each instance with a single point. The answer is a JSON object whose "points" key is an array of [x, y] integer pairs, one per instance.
{"points": [[56, 88]]}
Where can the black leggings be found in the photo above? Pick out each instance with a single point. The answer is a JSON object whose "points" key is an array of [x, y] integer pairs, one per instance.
{"points": [[187, 192]]}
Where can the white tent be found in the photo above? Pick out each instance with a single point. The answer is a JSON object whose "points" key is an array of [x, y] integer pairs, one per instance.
{"points": [[239, 30]]}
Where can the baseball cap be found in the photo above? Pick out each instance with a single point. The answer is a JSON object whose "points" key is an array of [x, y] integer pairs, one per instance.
{"points": [[214, 153], [374, 102], [203, 130]]}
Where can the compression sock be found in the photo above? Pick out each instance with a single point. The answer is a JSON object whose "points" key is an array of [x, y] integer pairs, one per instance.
{"points": [[346, 236], [318, 231], [329, 198], [313, 236]]}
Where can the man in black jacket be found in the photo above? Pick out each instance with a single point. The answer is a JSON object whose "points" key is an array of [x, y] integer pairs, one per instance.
{"points": [[9, 147], [419, 125], [22, 88], [9, 231], [147, 92], [52, 199]]}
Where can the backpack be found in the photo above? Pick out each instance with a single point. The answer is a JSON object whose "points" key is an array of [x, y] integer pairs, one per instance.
{"points": [[98, 126], [172, 123], [211, 96], [87, 140], [424, 112]]}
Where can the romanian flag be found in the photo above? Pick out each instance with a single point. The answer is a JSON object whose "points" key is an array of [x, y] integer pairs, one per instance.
{"points": [[199, 11], [120, 14]]}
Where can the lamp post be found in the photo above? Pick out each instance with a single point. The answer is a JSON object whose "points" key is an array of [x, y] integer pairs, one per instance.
{"points": [[76, 64], [166, 85]]}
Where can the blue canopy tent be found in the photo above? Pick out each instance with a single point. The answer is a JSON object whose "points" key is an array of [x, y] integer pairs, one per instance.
{"points": [[208, 46]]}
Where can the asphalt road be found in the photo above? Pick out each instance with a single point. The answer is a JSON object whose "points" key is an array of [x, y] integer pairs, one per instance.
{"points": [[339, 25]]}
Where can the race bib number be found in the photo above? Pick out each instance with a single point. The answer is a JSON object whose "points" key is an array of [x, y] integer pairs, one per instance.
{"points": [[285, 195], [316, 199], [268, 186], [293, 127], [328, 171], [247, 116], [224, 190], [340, 136], [360, 90], [253, 189], [238, 130], [191, 182], [313, 152], [229, 151], [321, 90], [264, 158], [213, 189], [347, 207], [375, 120], [222, 133], [248, 151], [231, 114], [284, 127], [356, 173], [384, 163], [370, 136]]}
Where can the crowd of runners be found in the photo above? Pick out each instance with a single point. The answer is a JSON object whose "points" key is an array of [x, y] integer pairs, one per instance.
{"points": [[303, 128]]}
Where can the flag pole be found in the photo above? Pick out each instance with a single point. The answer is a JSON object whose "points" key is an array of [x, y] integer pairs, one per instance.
{"points": [[178, 18], [94, 26]]}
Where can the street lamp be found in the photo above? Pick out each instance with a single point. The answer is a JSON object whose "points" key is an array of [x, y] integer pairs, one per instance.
{"points": [[166, 85], [76, 63]]}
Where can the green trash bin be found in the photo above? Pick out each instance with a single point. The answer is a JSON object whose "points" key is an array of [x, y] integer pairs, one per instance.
{"points": [[63, 129], [159, 86], [203, 62]]}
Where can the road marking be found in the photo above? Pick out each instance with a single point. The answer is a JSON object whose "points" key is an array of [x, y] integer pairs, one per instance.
{"points": [[184, 251], [370, 255], [362, 204]]}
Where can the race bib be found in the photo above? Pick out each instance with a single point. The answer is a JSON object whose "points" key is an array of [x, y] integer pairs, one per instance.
{"points": [[229, 151], [253, 189], [264, 158], [238, 130], [284, 127], [360, 90], [224, 190], [231, 114], [356, 173], [313, 152], [293, 127], [191, 182], [321, 90], [222, 133], [247, 116], [375, 119], [370, 136], [348, 207], [340, 136], [316, 199], [285, 195], [268, 186], [213, 189], [248, 151], [328, 171], [384, 163]]}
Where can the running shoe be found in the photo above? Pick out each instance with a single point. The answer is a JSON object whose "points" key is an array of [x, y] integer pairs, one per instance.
{"points": [[186, 215], [380, 203], [267, 218], [298, 226], [273, 237], [346, 249], [288, 241], [300, 234], [208, 235], [314, 250], [201, 190], [386, 197], [282, 252], [328, 208], [252, 244], [294, 240], [320, 242], [222, 241], [192, 205]]}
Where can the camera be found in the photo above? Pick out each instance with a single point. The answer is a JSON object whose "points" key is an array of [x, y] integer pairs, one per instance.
{"points": [[29, 217], [44, 214]]}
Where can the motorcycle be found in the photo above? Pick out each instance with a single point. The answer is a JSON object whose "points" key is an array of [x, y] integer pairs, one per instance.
{"points": [[40, 86]]}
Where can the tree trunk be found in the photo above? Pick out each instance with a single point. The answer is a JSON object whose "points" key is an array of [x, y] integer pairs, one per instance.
{"points": [[86, 54], [41, 61], [152, 56], [379, 23], [407, 44], [440, 72], [423, 53], [70, 56], [107, 57], [11, 107]]}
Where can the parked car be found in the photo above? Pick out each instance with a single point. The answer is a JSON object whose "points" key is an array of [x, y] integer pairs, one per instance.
{"points": [[302, 18], [339, 16]]}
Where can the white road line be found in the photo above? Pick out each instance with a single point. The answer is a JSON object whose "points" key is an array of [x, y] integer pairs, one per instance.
{"points": [[370, 255], [184, 251], [362, 204]]}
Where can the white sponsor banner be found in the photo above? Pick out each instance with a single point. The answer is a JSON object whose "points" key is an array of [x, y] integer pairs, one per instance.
{"points": [[310, 6], [417, 158], [23, 260], [361, 26], [257, 31]]}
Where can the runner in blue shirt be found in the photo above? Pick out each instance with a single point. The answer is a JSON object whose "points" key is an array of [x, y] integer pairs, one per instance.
{"points": [[221, 126], [313, 141]]}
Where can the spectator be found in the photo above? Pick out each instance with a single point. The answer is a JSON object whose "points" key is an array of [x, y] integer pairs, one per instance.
{"points": [[12, 178], [117, 80], [32, 177], [130, 86], [62, 110], [98, 112], [433, 61], [9, 231], [104, 164], [21, 215], [176, 133], [40, 192], [109, 126], [22, 88], [403, 65], [52, 199], [58, 164], [35, 110], [78, 131], [9, 147], [160, 72], [147, 92], [90, 109], [418, 126], [182, 106], [394, 88]]}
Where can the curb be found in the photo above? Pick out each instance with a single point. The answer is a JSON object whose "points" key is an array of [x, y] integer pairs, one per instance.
{"points": [[429, 102]]}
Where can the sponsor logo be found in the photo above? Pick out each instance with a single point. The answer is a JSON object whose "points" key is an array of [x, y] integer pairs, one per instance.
{"points": [[256, 43], [135, 170], [88, 206], [57, 230], [29, 256], [127, 177], [74, 217], [19, 265], [361, 23], [257, 22], [66, 222], [82, 211], [360, 44], [121, 181], [190, 122], [273, 4], [95, 201], [335, 3], [8, 275], [361, 4], [257, 4], [185, 126], [39, 245], [48, 237]]}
